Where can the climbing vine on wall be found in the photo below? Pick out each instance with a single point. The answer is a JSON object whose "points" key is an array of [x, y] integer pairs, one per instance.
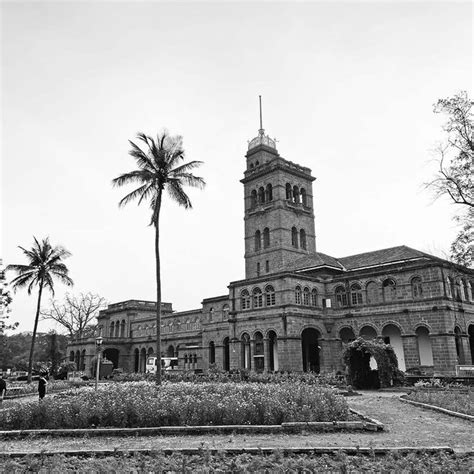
{"points": [[357, 356]]}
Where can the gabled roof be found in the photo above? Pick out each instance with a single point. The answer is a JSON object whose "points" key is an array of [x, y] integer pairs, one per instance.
{"points": [[361, 260]]}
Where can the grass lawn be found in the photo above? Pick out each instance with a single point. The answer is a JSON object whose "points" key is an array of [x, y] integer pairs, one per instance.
{"points": [[449, 399], [207, 462]]}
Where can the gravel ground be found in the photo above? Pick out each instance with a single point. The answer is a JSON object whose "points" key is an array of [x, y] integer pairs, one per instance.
{"points": [[405, 425]]}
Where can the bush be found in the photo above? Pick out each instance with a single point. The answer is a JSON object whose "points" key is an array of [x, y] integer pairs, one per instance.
{"points": [[135, 404], [453, 400]]}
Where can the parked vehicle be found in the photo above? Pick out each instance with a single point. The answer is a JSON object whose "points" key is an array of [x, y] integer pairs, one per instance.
{"points": [[167, 363]]}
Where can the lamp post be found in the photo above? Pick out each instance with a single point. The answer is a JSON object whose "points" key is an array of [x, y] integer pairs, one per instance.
{"points": [[98, 343]]}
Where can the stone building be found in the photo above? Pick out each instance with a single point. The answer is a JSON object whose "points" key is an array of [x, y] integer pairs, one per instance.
{"points": [[297, 307]]}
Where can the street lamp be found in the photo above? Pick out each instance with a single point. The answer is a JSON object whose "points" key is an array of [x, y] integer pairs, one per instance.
{"points": [[98, 343]]}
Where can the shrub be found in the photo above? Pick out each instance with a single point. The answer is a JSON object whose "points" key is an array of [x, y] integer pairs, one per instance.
{"points": [[136, 404], [453, 400]]}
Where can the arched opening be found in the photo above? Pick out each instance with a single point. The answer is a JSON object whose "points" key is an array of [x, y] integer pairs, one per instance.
{"points": [[117, 329], [425, 352], [304, 199], [296, 194], [368, 333], [470, 331], [112, 355], [245, 300], [289, 193], [372, 292], [269, 192], [389, 288], [347, 335], [142, 368], [356, 294], [314, 297], [341, 296], [212, 353], [112, 329], [261, 195], [306, 296], [298, 295], [392, 336], [294, 237], [310, 347], [259, 355], [258, 241], [170, 351], [83, 360], [273, 351], [303, 239], [77, 360], [416, 288], [226, 354], [122, 328], [269, 295], [136, 360], [266, 237], [459, 348], [245, 352], [257, 298], [71, 356], [253, 199]]}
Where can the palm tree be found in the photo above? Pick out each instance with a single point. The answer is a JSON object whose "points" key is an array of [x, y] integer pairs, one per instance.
{"points": [[159, 169], [44, 264]]}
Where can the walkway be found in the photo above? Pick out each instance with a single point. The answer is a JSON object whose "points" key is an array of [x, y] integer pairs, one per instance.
{"points": [[405, 425]]}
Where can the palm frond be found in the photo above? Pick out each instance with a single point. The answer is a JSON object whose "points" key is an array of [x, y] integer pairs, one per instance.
{"points": [[18, 268], [191, 180], [143, 160], [136, 176], [22, 280], [186, 167], [137, 193], [176, 192], [63, 278]]}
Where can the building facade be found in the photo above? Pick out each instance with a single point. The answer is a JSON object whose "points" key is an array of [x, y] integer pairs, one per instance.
{"points": [[297, 307]]}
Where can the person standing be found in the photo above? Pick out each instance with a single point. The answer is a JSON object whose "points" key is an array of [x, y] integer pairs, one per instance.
{"points": [[3, 388], [42, 382]]}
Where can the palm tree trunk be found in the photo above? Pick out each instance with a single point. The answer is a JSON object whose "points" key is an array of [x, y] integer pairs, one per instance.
{"points": [[158, 292], [32, 349]]}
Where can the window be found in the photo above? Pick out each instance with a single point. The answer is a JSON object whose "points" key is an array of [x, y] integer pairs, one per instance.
{"points": [[258, 269], [212, 353], [306, 296], [356, 294], [269, 193], [298, 295], [314, 297], [270, 296], [266, 237], [458, 290], [294, 237], [211, 314], [267, 266], [253, 199], [261, 195], [225, 311], [372, 292], [304, 199], [341, 296], [258, 241], [289, 193], [244, 300], [416, 288], [466, 290], [389, 288], [257, 298], [448, 288], [296, 194], [303, 239]]}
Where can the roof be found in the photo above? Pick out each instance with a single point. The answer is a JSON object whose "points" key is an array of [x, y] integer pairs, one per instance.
{"points": [[361, 260]]}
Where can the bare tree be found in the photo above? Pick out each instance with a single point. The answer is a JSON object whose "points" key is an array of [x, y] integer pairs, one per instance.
{"points": [[76, 313]]}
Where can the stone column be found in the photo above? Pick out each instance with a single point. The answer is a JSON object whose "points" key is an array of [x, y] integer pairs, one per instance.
{"points": [[410, 350], [444, 353], [266, 354]]}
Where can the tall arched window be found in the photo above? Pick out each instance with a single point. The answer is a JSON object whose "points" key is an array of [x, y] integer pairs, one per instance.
{"points": [[341, 296], [304, 199], [245, 300], [294, 237], [458, 342], [117, 328], [314, 297], [122, 328], [289, 193], [269, 295], [266, 237], [470, 289], [296, 194], [416, 288], [465, 290], [372, 292], [225, 312], [449, 293], [303, 239], [258, 241], [253, 199], [258, 352], [261, 195], [389, 288], [356, 294], [212, 353], [257, 298], [298, 295], [458, 290], [306, 296], [246, 355], [112, 329], [269, 193]]}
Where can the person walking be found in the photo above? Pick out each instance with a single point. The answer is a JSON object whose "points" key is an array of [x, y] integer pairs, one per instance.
{"points": [[3, 388], [42, 382]]}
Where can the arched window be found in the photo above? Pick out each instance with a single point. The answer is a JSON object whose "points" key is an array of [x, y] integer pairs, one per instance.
{"points": [[259, 357], [246, 356], [117, 328], [225, 312], [185, 359], [289, 193], [257, 298], [306, 296], [112, 329], [269, 193], [458, 342], [304, 199], [372, 292], [425, 352], [244, 300], [261, 195], [298, 295], [452, 287], [71, 356], [294, 237], [212, 353], [269, 296], [470, 289], [341, 296], [211, 314], [122, 328], [258, 241], [449, 293], [465, 290], [253, 199], [314, 297], [296, 194], [458, 290], [303, 239], [416, 288], [389, 288], [356, 294], [266, 237]]}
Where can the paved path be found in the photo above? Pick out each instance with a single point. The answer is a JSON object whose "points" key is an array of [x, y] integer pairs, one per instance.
{"points": [[405, 425]]}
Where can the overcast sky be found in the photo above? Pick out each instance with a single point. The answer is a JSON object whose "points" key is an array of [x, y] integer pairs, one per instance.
{"points": [[348, 90]]}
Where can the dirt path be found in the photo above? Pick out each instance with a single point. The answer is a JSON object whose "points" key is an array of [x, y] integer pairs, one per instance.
{"points": [[405, 425]]}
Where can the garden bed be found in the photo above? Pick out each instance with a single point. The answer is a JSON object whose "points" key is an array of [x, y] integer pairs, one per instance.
{"points": [[457, 401], [143, 404]]}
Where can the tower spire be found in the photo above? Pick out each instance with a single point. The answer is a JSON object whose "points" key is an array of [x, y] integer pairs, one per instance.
{"points": [[261, 131]]}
